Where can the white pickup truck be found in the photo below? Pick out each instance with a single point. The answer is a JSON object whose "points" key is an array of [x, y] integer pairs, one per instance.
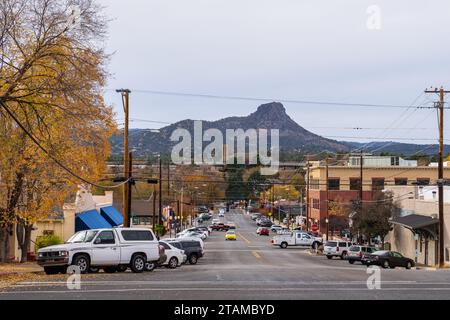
{"points": [[297, 238], [113, 250]]}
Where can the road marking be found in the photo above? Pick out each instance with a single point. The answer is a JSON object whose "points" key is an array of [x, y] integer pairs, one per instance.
{"points": [[245, 239], [256, 254], [223, 289]]}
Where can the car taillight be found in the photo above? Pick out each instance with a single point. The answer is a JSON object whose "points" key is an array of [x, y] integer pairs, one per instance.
{"points": [[162, 250], [337, 249], [361, 255]]}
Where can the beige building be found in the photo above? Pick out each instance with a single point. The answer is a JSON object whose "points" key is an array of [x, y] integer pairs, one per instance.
{"points": [[415, 234], [344, 180], [62, 223]]}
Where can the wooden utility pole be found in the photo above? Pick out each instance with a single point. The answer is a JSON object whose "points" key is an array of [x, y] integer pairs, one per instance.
{"points": [[308, 214], [160, 192], [441, 181], [130, 185], [327, 221], [126, 108], [361, 177], [154, 208], [168, 179]]}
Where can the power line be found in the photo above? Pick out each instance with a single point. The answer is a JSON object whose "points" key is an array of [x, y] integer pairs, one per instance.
{"points": [[58, 162], [310, 102]]}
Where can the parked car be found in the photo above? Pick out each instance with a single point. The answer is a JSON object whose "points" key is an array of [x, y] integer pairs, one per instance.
{"points": [[276, 228], [215, 221], [220, 227], [256, 216], [110, 249], [194, 234], [175, 257], [230, 235], [192, 248], [262, 231], [296, 238], [356, 252], [336, 249], [266, 224], [388, 259]]}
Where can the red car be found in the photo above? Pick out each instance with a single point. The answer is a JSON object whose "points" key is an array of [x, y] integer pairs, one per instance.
{"points": [[263, 231], [220, 227]]}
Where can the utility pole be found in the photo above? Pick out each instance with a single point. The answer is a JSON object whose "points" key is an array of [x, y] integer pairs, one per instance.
{"points": [[441, 105], [168, 179], [327, 221], [154, 208], [160, 192], [126, 108], [129, 184], [307, 197]]}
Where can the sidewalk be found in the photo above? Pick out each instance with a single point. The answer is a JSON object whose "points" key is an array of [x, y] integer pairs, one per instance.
{"points": [[7, 269]]}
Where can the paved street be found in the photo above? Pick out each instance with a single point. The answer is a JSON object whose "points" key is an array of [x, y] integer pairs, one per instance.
{"points": [[249, 268]]}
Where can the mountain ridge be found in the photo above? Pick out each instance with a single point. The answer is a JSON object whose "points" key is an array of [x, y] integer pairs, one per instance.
{"points": [[293, 137]]}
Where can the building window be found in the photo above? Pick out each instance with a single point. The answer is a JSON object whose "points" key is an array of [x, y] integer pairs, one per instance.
{"points": [[355, 184], [377, 184], [423, 182], [316, 204], [395, 161], [314, 184], [401, 181], [334, 184]]}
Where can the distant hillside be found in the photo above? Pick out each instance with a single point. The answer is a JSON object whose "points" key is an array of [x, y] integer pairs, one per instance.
{"points": [[293, 137]]}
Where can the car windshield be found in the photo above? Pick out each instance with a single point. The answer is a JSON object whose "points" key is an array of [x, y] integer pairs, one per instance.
{"points": [[331, 244], [355, 249], [82, 237], [230, 232]]}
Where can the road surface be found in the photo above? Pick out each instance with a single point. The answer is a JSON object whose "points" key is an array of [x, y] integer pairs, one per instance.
{"points": [[250, 268]]}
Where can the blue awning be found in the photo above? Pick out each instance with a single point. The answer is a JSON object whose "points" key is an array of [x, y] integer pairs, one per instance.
{"points": [[111, 215], [90, 220]]}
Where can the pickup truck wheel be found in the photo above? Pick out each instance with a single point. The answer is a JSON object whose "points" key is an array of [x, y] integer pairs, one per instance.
{"points": [[173, 263], [150, 266], [284, 245], [330, 257], [82, 262], [351, 261], [52, 270], [315, 245], [138, 262], [344, 255], [193, 259]]}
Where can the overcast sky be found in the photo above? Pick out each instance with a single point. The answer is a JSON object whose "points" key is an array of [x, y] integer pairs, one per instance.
{"points": [[282, 49]]}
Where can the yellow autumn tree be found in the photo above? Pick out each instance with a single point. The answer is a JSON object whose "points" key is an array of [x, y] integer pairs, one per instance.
{"points": [[52, 68]]}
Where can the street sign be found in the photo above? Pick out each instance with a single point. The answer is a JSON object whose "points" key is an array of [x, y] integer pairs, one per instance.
{"points": [[315, 228]]}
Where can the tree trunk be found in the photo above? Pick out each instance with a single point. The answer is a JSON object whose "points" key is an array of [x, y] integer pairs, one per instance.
{"points": [[24, 239], [4, 244]]}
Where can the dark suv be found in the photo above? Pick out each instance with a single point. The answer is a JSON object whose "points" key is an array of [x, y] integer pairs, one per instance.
{"points": [[192, 249]]}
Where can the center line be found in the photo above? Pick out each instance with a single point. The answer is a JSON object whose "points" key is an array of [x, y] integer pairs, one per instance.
{"points": [[256, 254]]}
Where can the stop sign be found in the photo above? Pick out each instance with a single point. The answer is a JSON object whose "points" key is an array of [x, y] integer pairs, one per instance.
{"points": [[315, 228]]}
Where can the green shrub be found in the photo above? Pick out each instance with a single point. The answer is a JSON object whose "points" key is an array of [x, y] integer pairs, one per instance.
{"points": [[47, 241], [160, 230]]}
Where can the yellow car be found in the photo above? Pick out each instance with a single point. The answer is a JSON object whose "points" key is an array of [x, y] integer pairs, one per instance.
{"points": [[231, 235]]}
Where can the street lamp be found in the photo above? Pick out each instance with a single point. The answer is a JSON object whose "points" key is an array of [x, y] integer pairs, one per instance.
{"points": [[327, 221]]}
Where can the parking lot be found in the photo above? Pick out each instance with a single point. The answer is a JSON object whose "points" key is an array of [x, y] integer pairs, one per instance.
{"points": [[249, 268]]}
